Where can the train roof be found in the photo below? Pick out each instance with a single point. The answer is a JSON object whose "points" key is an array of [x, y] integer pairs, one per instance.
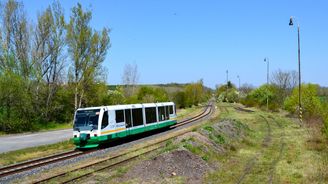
{"points": [[129, 106]]}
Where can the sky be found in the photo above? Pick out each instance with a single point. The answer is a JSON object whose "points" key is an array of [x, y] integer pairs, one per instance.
{"points": [[187, 40]]}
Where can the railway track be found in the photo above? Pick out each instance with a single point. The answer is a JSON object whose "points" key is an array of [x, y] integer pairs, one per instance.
{"points": [[28, 165], [31, 164]]}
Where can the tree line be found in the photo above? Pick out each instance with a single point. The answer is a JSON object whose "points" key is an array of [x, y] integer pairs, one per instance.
{"points": [[44, 65]]}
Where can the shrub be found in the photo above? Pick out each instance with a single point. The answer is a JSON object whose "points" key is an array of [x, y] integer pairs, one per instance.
{"points": [[310, 101], [258, 97], [227, 93]]}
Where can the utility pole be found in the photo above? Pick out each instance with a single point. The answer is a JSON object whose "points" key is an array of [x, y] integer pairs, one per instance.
{"points": [[299, 66], [238, 86], [238, 82], [267, 61], [227, 86]]}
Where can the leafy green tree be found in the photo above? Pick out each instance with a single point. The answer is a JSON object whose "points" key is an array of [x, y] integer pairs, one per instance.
{"points": [[16, 110], [180, 99], [227, 93], [150, 95], [116, 96], [311, 104], [87, 49], [194, 93], [258, 97]]}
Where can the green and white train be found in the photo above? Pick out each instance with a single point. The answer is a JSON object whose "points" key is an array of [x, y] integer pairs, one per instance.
{"points": [[96, 125]]}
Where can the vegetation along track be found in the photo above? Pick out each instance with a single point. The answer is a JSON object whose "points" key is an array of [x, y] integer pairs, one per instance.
{"points": [[28, 165], [250, 164], [282, 145]]}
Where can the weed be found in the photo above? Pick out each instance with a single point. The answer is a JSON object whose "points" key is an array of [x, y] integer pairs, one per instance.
{"points": [[209, 128], [194, 149], [205, 157]]}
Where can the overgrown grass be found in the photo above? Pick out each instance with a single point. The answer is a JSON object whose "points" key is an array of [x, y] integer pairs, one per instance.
{"points": [[292, 155], [35, 152], [188, 112]]}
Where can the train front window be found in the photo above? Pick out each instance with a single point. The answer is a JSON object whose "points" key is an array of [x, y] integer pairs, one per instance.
{"points": [[86, 119]]}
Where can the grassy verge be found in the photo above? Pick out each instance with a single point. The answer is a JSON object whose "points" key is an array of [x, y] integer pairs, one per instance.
{"points": [[188, 112], [35, 152]]}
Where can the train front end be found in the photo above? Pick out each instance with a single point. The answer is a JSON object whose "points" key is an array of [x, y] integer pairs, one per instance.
{"points": [[86, 127]]}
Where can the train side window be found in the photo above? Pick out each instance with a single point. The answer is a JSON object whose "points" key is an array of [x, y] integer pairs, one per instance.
{"points": [[150, 115], [161, 113], [167, 116], [171, 109], [137, 117], [104, 122], [119, 115], [128, 118]]}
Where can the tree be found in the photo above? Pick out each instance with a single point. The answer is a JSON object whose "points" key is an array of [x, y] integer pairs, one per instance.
{"points": [[227, 92], [48, 55], [194, 93], [152, 95], [130, 78], [245, 89], [15, 38], [285, 81], [87, 49], [16, 111], [180, 99], [258, 97], [310, 101]]}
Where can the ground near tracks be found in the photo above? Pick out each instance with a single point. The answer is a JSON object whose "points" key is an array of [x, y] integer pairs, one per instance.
{"points": [[272, 149], [259, 156], [251, 163]]}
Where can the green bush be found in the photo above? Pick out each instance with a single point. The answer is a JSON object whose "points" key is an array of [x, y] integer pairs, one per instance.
{"points": [[227, 93], [310, 101], [193, 94], [180, 99], [258, 97]]}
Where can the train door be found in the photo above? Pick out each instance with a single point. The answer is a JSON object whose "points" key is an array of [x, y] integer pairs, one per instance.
{"points": [[128, 120]]}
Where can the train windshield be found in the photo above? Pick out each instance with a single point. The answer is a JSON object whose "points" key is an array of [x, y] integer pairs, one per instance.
{"points": [[86, 119]]}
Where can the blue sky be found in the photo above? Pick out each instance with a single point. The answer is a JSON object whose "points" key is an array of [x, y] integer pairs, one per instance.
{"points": [[186, 40]]}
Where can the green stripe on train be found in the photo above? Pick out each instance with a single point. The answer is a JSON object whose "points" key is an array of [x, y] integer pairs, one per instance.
{"points": [[95, 141]]}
